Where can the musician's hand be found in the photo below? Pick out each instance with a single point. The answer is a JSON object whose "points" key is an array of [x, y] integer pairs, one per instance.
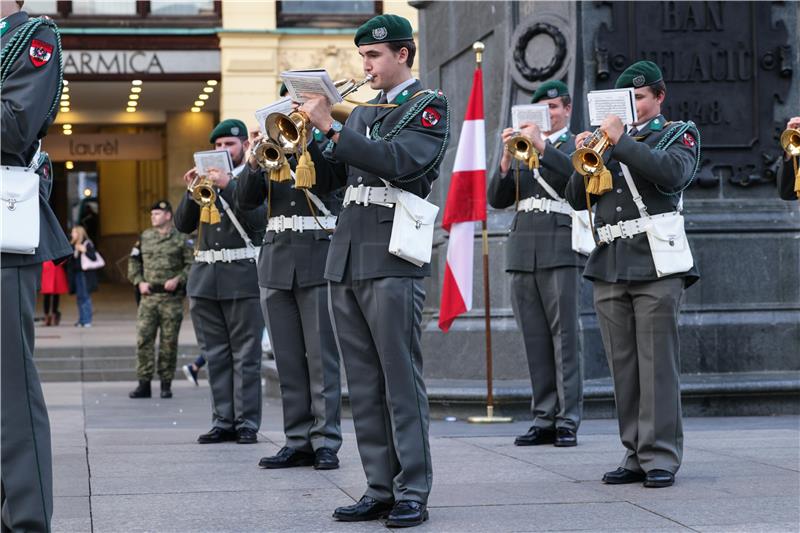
{"points": [[505, 161], [189, 176], [581, 138], [793, 124], [318, 109], [613, 127], [171, 284], [255, 138], [218, 177], [532, 132], [144, 288]]}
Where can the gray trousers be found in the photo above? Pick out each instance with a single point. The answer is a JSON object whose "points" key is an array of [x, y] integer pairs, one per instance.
{"points": [[308, 365], [378, 330], [545, 305], [229, 334], [639, 325], [27, 469]]}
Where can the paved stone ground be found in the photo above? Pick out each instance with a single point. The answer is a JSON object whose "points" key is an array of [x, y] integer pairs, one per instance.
{"points": [[125, 465]]}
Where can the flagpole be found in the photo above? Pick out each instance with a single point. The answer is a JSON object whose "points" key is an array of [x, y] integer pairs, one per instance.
{"points": [[478, 47]]}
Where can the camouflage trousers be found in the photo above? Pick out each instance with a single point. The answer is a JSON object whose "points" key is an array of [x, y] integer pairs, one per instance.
{"points": [[164, 312]]}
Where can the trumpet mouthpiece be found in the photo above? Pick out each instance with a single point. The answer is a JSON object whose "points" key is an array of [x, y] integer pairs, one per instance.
{"points": [[369, 77]]}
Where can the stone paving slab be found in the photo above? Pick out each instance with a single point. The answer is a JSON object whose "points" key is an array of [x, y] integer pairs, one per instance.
{"points": [[123, 465]]}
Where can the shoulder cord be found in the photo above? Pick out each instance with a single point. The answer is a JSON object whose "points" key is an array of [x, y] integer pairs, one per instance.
{"points": [[410, 114], [668, 139], [17, 45], [242, 233]]}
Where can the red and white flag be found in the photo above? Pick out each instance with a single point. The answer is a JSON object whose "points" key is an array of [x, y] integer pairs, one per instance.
{"points": [[465, 205]]}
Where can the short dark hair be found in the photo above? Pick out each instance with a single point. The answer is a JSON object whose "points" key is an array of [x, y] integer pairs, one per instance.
{"points": [[658, 88], [566, 100], [20, 3], [396, 46]]}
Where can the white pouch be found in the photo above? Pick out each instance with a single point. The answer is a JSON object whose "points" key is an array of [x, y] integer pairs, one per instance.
{"points": [[19, 210], [669, 245], [412, 228], [582, 240]]}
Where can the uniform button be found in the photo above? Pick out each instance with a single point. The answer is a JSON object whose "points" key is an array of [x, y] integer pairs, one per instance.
{"points": [[292, 203], [619, 174], [216, 244], [219, 229], [619, 209], [619, 191], [360, 179]]}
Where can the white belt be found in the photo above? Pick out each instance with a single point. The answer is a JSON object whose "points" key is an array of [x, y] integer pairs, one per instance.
{"points": [[225, 255], [545, 205], [297, 223], [384, 196], [627, 229]]}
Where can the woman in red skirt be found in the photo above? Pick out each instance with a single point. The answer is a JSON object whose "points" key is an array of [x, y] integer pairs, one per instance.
{"points": [[54, 284]]}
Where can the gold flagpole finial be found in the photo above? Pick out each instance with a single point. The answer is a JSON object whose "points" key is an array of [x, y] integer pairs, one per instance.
{"points": [[478, 47]]}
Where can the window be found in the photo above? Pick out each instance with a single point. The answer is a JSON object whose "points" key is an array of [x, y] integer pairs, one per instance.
{"points": [[104, 7], [172, 8], [326, 13], [40, 7]]}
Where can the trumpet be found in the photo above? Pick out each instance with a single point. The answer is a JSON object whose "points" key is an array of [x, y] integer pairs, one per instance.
{"points": [[286, 130], [521, 148], [268, 155], [790, 142], [588, 159], [205, 195]]}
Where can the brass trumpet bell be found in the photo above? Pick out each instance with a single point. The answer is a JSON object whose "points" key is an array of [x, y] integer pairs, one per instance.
{"points": [[269, 155], [202, 190], [790, 142], [285, 130], [588, 159], [521, 148]]}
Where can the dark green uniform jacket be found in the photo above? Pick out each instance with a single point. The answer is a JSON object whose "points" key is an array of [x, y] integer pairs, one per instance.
{"points": [[670, 170], [27, 95], [287, 254], [538, 240], [410, 160], [220, 280]]}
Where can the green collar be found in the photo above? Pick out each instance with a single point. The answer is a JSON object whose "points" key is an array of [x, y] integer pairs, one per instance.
{"points": [[564, 137], [404, 95], [4, 25], [657, 124]]}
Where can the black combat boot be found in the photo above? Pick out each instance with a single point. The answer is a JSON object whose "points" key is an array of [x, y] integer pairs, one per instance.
{"points": [[142, 391], [166, 388]]}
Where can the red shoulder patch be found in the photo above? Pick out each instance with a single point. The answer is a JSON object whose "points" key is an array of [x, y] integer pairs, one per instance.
{"points": [[688, 140], [40, 52], [430, 117]]}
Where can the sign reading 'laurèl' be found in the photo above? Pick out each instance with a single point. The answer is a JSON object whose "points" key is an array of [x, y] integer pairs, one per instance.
{"points": [[104, 146], [140, 62]]}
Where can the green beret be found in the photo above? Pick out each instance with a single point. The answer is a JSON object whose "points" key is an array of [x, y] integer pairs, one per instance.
{"points": [[164, 205], [229, 128], [550, 89], [639, 74], [283, 90], [384, 29]]}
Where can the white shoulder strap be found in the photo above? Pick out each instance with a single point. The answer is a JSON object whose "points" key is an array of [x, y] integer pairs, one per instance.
{"points": [[637, 198], [546, 186], [239, 228], [317, 202], [34, 164]]}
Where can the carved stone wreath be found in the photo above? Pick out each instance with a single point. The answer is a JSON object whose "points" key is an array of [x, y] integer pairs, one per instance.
{"points": [[534, 74]]}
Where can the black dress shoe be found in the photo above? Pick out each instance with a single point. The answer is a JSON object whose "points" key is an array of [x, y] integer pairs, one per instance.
{"points": [[566, 437], [621, 476], [536, 436], [659, 478], [246, 436], [287, 458], [325, 459], [367, 508], [142, 390], [166, 388], [217, 435], [407, 513]]}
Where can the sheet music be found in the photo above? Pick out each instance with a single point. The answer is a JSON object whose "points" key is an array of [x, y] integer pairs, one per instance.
{"points": [[219, 159], [284, 105], [620, 102], [315, 81], [539, 114]]}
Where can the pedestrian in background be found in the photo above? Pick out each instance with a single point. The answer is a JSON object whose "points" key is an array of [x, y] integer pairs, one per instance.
{"points": [[54, 284], [82, 283]]}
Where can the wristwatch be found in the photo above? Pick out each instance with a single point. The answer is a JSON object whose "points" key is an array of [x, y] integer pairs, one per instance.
{"points": [[336, 127]]}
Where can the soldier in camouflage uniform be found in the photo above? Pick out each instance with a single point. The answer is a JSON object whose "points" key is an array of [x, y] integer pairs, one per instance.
{"points": [[159, 266]]}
